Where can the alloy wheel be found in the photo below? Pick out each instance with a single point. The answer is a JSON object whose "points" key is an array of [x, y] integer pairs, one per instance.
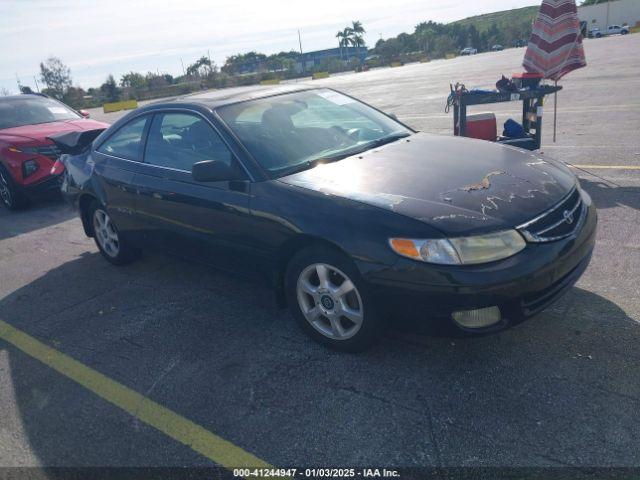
{"points": [[106, 233], [5, 190], [330, 301]]}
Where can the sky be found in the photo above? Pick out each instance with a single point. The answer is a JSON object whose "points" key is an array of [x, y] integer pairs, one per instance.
{"points": [[96, 38]]}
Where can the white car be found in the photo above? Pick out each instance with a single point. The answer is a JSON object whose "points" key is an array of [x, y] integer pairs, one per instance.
{"points": [[468, 51]]}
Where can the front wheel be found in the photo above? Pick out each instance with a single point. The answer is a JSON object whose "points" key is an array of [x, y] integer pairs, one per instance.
{"points": [[10, 196], [329, 301], [112, 245]]}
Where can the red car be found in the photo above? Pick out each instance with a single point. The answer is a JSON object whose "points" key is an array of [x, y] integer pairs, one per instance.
{"points": [[27, 156]]}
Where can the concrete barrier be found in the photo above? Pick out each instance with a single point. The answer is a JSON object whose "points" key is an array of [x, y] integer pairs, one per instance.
{"points": [[117, 106], [319, 75]]}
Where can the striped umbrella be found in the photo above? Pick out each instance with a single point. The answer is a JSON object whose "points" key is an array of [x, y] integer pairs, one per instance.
{"points": [[555, 47]]}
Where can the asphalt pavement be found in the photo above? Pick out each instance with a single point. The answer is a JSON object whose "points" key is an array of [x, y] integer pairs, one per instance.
{"points": [[213, 350]]}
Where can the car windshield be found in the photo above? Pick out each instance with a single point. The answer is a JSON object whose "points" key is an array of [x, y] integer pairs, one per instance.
{"points": [[293, 132], [32, 109]]}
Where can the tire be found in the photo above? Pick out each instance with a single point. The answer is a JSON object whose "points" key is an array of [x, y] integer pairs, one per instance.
{"points": [[624, 32], [112, 245], [10, 196], [334, 313]]}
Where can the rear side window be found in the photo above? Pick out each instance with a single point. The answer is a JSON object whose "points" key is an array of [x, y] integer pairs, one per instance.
{"points": [[178, 140], [127, 141]]}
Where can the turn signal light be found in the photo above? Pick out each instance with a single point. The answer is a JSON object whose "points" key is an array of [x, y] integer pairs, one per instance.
{"points": [[405, 247]]}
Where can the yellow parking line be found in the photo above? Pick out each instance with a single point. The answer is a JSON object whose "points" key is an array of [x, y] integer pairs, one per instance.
{"points": [[197, 438], [612, 167]]}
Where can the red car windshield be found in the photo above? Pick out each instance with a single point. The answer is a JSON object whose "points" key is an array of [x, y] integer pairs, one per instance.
{"points": [[31, 110]]}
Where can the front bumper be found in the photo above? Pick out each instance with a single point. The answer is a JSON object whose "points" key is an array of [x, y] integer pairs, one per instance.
{"points": [[48, 185], [521, 286]]}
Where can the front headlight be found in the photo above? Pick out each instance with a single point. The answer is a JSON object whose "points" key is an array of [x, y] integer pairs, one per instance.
{"points": [[460, 250]]}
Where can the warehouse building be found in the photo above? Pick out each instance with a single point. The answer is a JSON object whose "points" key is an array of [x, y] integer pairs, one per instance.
{"points": [[615, 12], [320, 58]]}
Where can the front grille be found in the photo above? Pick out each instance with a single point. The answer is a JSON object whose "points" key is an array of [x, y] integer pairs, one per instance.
{"points": [[49, 151], [559, 222]]}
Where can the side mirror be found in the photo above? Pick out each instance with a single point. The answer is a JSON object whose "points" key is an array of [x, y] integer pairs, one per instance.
{"points": [[214, 171], [393, 115], [84, 113]]}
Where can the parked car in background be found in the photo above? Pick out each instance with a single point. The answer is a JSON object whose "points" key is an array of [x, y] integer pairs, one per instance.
{"points": [[595, 32], [468, 51], [26, 154], [497, 48], [617, 29], [519, 43], [352, 217]]}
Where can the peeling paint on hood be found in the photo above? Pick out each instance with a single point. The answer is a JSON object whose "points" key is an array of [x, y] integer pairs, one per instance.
{"points": [[457, 185]]}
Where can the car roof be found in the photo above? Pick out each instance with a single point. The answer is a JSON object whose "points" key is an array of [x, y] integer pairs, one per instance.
{"points": [[227, 96], [22, 96]]}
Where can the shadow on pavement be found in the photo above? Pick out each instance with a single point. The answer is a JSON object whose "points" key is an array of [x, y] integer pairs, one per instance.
{"points": [[560, 389], [609, 196], [43, 213]]}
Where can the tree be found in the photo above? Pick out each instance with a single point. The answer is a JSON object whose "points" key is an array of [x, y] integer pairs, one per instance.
{"points": [[74, 96], [344, 38], [109, 89], [133, 80], [425, 33], [56, 76], [244, 63], [357, 31], [202, 67], [474, 36]]}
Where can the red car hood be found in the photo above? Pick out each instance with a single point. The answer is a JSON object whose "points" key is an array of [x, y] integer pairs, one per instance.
{"points": [[41, 131]]}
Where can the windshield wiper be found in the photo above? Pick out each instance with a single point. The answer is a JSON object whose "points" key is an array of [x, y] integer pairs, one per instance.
{"points": [[367, 146], [344, 154]]}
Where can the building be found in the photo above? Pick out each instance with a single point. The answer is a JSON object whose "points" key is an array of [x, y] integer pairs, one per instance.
{"points": [[322, 58], [615, 12]]}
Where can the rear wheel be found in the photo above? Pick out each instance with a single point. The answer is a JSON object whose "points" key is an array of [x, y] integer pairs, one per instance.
{"points": [[10, 196], [329, 301], [112, 245]]}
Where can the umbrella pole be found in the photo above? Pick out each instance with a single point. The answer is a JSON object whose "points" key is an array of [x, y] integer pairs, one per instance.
{"points": [[555, 113]]}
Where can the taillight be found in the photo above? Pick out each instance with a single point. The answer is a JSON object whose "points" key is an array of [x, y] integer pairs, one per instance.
{"points": [[57, 168]]}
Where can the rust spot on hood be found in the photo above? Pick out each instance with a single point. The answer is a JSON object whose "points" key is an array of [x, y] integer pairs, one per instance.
{"points": [[484, 183]]}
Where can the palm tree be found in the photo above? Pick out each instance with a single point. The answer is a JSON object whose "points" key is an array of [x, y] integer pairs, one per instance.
{"points": [[344, 37], [357, 30]]}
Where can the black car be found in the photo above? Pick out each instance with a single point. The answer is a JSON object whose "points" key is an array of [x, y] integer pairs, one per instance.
{"points": [[352, 216]]}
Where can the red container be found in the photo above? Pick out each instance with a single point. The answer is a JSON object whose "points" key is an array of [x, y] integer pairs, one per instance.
{"points": [[526, 79], [482, 126]]}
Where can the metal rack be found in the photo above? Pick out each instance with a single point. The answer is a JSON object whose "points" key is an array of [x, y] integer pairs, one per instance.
{"points": [[532, 103]]}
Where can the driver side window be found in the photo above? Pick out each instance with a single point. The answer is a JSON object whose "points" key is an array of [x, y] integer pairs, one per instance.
{"points": [[178, 140]]}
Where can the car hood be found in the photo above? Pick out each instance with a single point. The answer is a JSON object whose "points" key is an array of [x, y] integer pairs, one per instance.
{"points": [[41, 131], [458, 185]]}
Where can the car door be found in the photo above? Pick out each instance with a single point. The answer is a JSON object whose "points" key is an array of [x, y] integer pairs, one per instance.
{"points": [[208, 221], [115, 162]]}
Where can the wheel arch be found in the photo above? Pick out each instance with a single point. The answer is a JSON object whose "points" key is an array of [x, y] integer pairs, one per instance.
{"points": [[84, 202]]}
